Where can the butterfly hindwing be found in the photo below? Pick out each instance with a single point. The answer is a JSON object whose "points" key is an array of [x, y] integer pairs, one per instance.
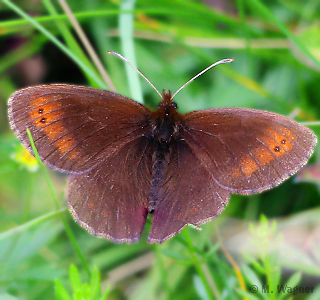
{"points": [[112, 200], [74, 128], [189, 195]]}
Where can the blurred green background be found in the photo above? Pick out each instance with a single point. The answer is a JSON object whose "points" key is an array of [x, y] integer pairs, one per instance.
{"points": [[276, 47]]}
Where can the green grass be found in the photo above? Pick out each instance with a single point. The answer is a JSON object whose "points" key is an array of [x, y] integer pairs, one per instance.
{"points": [[276, 47]]}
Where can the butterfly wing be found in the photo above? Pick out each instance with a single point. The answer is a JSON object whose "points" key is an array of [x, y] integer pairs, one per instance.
{"points": [[246, 150], [223, 151], [189, 195], [112, 200], [75, 128]]}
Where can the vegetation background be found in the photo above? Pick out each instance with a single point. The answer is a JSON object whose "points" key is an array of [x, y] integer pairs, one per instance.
{"points": [[276, 47]]}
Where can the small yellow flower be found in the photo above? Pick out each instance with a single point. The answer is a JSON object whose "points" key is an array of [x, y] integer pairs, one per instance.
{"points": [[25, 159]]}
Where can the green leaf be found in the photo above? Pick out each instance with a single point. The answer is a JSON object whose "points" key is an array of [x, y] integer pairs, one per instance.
{"points": [[251, 276], [61, 292], [292, 282], [175, 255], [106, 293], [95, 287], [247, 295], [200, 288], [74, 278], [260, 268]]}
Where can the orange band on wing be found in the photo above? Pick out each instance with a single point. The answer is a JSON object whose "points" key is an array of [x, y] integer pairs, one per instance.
{"points": [[46, 116], [282, 140], [54, 130], [263, 155], [248, 165], [291, 136], [65, 144], [276, 143], [40, 108]]}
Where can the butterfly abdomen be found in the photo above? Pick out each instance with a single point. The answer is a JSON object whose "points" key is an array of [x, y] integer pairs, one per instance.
{"points": [[160, 160]]}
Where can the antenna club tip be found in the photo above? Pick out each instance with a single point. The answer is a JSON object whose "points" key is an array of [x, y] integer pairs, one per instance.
{"points": [[114, 53]]}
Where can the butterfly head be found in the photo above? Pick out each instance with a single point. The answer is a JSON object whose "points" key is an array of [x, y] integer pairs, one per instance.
{"points": [[167, 103]]}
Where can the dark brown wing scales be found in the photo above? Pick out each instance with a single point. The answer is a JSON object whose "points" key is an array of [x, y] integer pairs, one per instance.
{"points": [[189, 195], [74, 127], [112, 200], [246, 150]]}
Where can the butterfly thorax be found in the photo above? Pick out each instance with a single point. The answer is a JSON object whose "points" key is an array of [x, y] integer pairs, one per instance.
{"points": [[166, 121]]}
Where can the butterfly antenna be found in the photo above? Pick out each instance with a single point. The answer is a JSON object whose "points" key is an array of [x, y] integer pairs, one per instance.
{"points": [[222, 61], [120, 56]]}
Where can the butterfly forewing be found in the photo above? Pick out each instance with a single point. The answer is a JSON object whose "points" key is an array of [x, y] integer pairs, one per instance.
{"points": [[246, 150], [75, 128], [189, 195], [112, 200]]}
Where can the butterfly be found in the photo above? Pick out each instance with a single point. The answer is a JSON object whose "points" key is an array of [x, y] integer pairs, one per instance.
{"points": [[126, 161]]}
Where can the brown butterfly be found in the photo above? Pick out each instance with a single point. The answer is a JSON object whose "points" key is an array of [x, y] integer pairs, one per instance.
{"points": [[126, 161]]}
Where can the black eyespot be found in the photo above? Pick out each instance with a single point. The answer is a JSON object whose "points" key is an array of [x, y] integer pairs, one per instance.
{"points": [[175, 105], [283, 141], [40, 111], [276, 148], [43, 120]]}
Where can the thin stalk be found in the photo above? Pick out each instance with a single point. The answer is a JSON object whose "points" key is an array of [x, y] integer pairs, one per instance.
{"points": [[86, 43], [55, 199], [197, 265], [69, 38], [51, 37], [126, 21], [31, 223]]}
